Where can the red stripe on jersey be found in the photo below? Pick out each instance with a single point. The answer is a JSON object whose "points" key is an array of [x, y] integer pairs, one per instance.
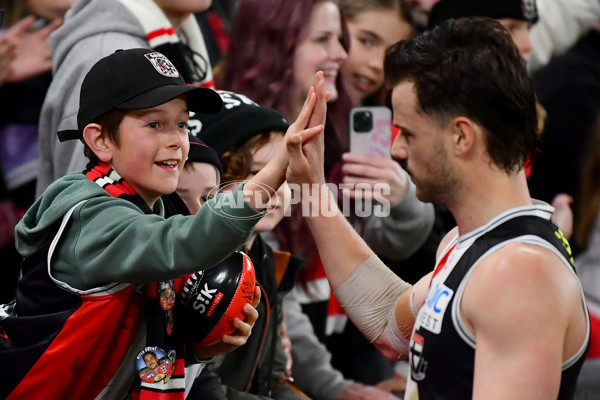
{"points": [[442, 262]]}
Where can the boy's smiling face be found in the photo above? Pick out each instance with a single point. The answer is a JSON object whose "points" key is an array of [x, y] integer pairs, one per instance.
{"points": [[153, 146]]}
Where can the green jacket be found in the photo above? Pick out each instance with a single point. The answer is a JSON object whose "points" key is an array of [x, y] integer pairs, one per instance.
{"points": [[111, 240]]}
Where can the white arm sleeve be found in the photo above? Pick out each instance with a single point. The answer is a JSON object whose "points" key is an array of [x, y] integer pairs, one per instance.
{"points": [[369, 295]]}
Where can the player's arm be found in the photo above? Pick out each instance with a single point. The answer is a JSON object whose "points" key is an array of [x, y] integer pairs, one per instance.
{"points": [[521, 303], [365, 287]]}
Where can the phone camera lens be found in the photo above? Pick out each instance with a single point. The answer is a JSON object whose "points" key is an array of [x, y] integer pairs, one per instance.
{"points": [[362, 121]]}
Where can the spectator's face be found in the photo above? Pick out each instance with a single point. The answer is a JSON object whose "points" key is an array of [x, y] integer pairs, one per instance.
{"points": [[279, 203], [194, 186], [519, 31], [371, 33], [153, 146], [320, 50], [180, 8]]}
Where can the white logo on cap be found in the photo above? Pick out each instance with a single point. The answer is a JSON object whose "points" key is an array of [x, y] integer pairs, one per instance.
{"points": [[231, 99], [162, 64]]}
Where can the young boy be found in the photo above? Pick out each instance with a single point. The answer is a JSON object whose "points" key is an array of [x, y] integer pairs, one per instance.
{"points": [[92, 240]]}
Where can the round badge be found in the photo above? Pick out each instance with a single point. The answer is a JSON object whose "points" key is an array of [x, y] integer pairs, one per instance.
{"points": [[166, 294], [154, 365]]}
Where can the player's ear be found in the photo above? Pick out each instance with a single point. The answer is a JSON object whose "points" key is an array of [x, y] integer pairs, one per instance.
{"points": [[465, 133], [97, 142]]}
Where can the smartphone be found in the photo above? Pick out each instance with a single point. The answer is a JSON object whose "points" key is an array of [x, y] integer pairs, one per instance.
{"points": [[371, 131]]}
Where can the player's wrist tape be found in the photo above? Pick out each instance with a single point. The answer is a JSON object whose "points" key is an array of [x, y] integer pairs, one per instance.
{"points": [[369, 295]]}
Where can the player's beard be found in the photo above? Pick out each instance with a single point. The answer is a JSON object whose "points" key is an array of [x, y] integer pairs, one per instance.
{"points": [[439, 182]]}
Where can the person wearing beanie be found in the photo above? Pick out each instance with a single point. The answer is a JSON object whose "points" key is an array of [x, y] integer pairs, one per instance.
{"points": [[516, 15], [99, 244], [200, 176]]}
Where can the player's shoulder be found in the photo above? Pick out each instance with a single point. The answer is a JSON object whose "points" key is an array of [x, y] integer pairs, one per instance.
{"points": [[525, 268], [518, 259]]}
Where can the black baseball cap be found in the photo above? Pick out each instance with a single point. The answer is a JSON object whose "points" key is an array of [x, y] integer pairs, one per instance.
{"points": [[135, 79], [522, 10]]}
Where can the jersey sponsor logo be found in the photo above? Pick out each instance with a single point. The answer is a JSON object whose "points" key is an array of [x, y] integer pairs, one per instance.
{"points": [[432, 312]]}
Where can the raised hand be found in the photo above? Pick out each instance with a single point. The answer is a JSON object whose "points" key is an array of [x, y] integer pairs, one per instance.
{"points": [[306, 148], [273, 174]]}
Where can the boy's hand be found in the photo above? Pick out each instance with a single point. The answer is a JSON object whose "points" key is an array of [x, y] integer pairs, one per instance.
{"points": [[305, 148], [311, 119], [231, 342], [308, 125]]}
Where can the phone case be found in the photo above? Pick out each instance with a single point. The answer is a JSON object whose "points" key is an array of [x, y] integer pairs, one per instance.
{"points": [[371, 131]]}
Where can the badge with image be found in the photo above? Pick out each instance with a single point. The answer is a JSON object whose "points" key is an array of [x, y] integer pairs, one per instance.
{"points": [[154, 365]]}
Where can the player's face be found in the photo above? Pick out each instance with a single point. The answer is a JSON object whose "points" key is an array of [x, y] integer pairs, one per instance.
{"points": [[195, 185], [371, 33], [421, 147], [320, 50], [279, 203], [151, 361], [153, 147]]}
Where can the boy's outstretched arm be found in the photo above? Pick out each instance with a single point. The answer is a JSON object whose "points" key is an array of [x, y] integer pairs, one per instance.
{"points": [[309, 123]]}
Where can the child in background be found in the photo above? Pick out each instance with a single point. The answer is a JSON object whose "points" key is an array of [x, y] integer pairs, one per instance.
{"points": [[374, 25], [96, 243], [200, 176]]}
